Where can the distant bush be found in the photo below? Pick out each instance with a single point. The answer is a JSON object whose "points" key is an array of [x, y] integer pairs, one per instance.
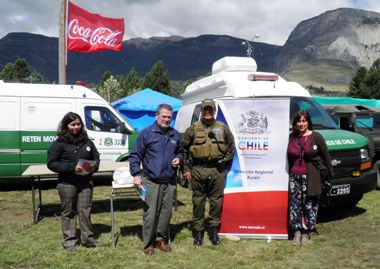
{"points": [[322, 91]]}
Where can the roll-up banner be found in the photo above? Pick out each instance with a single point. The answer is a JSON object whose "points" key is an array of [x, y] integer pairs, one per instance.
{"points": [[256, 192]]}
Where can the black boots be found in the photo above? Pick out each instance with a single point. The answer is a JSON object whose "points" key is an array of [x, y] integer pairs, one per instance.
{"points": [[214, 237], [198, 239]]}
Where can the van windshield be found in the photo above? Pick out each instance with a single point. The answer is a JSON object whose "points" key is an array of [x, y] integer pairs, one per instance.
{"points": [[320, 118]]}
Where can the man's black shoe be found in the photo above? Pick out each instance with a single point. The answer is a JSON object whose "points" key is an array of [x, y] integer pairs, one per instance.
{"points": [[198, 239], [215, 240]]}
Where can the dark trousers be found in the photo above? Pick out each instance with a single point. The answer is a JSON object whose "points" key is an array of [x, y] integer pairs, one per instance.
{"points": [[76, 200], [208, 183], [157, 211]]}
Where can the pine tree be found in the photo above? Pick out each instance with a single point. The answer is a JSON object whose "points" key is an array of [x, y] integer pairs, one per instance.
{"points": [[158, 79], [357, 83], [366, 83], [132, 83]]}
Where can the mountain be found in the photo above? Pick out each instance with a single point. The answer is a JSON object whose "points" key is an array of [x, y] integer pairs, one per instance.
{"points": [[327, 49], [323, 51], [41, 52], [184, 58]]}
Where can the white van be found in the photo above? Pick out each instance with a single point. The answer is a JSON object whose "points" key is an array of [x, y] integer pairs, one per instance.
{"points": [[30, 114], [237, 78]]}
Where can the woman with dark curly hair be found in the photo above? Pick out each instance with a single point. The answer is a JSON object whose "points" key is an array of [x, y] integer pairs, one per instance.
{"points": [[307, 150], [75, 158]]}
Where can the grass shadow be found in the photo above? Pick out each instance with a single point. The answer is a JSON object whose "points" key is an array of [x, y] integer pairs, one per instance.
{"points": [[338, 213], [99, 206], [174, 230]]}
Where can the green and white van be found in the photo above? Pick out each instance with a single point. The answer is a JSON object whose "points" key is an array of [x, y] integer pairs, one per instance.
{"points": [[237, 78], [30, 114]]}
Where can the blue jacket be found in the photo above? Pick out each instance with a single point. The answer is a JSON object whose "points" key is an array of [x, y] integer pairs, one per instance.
{"points": [[156, 150]]}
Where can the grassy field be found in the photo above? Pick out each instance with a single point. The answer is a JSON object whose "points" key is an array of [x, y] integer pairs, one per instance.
{"points": [[349, 238]]}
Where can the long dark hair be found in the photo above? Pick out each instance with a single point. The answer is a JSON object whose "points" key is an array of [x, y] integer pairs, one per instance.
{"points": [[64, 133], [296, 118]]}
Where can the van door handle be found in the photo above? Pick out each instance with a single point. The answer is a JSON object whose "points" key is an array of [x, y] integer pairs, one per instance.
{"points": [[91, 138]]}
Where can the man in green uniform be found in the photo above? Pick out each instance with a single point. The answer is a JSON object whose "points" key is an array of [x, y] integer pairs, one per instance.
{"points": [[209, 148]]}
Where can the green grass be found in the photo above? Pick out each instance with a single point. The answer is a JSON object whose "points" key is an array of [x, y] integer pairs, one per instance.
{"points": [[349, 238]]}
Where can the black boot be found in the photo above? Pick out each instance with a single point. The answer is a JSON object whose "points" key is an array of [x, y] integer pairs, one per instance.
{"points": [[198, 239], [214, 236]]}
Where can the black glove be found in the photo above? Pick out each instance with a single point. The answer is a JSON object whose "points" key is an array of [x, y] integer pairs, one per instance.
{"points": [[221, 166]]}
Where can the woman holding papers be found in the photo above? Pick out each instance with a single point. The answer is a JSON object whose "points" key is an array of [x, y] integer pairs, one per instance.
{"points": [[75, 158], [307, 151]]}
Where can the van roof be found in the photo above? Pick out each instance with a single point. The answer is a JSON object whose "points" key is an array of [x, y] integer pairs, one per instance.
{"points": [[235, 77], [47, 90]]}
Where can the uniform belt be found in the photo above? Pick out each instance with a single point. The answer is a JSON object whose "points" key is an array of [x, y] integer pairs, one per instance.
{"points": [[206, 163]]}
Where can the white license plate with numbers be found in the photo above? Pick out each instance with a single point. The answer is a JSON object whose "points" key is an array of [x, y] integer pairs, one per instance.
{"points": [[340, 190]]}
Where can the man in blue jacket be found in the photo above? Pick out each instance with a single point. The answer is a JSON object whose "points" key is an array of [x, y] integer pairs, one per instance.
{"points": [[159, 149]]}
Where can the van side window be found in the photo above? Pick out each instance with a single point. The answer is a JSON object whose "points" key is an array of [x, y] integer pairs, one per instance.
{"points": [[345, 124], [101, 119], [197, 113]]}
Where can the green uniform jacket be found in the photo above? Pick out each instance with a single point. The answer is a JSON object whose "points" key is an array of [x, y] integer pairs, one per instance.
{"points": [[226, 143]]}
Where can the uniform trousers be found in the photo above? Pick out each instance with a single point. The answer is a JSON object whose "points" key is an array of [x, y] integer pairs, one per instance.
{"points": [[208, 183], [76, 200], [157, 210]]}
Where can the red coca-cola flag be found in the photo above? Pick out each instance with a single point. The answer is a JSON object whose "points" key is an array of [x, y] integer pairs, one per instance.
{"points": [[88, 32]]}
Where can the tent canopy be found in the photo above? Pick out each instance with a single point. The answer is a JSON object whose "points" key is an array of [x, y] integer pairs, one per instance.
{"points": [[139, 109], [346, 101]]}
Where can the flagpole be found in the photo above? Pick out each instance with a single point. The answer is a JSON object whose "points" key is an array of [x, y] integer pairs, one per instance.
{"points": [[62, 53]]}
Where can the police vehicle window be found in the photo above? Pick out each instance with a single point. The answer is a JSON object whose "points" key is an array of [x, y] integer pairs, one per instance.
{"points": [[101, 119], [320, 118], [364, 121], [196, 114], [345, 124]]}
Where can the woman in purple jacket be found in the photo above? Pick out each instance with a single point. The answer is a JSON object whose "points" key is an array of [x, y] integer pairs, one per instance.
{"points": [[307, 151]]}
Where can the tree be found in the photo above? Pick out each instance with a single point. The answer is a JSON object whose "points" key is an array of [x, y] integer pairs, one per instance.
{"points": [[6, 73], [132, 82], [157, 79], [20, 71], [111, 90], [366, 83], [106, 75]]}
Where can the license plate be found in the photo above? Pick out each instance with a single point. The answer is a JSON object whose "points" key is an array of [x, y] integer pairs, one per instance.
{"points": [[340, 190]]}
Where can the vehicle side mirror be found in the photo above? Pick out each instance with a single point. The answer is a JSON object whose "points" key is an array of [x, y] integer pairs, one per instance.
{"points": [[124, 129]]}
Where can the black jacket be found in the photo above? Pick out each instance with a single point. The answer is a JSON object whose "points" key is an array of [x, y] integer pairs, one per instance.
{"points": [[63, 157], [316, 153]]}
